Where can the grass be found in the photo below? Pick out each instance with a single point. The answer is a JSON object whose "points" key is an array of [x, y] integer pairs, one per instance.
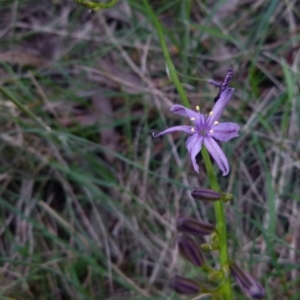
{"points": [[88, 199]]}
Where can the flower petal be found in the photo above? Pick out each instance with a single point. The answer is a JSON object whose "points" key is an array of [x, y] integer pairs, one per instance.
{"points": [[196, 117], [184, 128], [220, 105], [194, 145], [225, 131], [217, 153], [183, 111]]}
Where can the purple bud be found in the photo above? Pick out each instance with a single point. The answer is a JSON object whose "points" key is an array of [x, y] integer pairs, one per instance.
{"points": [[184, 285], [194, 227], [189, 249], [206, 194], [249, 285]]}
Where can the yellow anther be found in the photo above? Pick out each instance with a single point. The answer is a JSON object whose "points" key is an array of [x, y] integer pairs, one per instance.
{"points": [[193, 119], [193, 129], [211, 131], [216, 122], [211, 113], [197, 108]]}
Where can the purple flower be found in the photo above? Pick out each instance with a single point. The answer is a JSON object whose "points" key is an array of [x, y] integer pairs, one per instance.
{"points": [[206, 130]]}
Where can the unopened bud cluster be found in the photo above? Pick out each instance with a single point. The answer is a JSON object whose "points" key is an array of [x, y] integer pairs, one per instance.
{"points": [[190, 230], [189, 249]]}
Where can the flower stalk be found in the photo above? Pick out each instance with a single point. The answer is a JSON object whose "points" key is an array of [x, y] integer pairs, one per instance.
{"points": [[226, 290], [221, 226]]}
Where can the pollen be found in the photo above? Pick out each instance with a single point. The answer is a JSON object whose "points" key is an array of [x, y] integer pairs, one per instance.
{"points": [[211, 113], [216, 122], [197, 108], [193, 119], [211, 131], [193, 129]]}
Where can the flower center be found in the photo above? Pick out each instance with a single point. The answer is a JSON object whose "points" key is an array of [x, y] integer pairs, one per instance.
{"points": [[202, 126], [203, 132]]}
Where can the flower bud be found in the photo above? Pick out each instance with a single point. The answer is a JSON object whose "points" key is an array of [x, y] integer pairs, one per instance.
{"points": [[206, 247], [227, 197], [194, 227], [206, 194], [184, 285], [215, 275], [249, 285], [189, 249]]}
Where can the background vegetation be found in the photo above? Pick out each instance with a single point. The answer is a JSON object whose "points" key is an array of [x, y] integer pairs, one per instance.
{"points": [[88, 198]]}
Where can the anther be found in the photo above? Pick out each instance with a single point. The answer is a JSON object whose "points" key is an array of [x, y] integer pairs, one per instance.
{"points": [[193, 129], [216, 122], [193, 119], [211, 113], [198, 108], [211, 131]]}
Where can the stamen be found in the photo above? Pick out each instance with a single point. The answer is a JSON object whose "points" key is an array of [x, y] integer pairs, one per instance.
{"points": [[216, 122], [193, 119], [193, 129], [211, 131], [211, 113], [197, 108]]}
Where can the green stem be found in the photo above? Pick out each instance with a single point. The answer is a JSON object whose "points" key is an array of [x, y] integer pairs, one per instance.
{"points": [[186, 11], [167, 56], [221, 226]]}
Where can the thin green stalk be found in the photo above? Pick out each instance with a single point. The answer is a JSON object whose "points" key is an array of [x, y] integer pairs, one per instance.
{"points": [[186, 11], [221, 226], [219, 210], [167, 56]]}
